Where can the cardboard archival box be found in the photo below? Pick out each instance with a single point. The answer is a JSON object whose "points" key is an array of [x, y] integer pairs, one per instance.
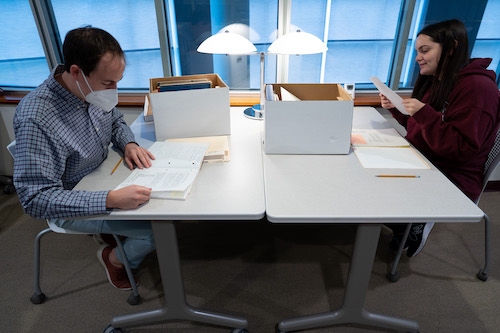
{"points": [[307, 119], [188, 108]]}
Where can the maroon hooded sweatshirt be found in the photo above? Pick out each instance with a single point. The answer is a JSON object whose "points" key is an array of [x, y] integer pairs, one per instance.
{"points": [[457, 140]]}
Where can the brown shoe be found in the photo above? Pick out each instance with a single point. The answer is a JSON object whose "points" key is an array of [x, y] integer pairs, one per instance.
{"points": [[116, 276], [107, 239]]}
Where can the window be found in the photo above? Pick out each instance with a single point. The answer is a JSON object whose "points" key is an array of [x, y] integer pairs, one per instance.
{"points": [[131, 22], [487, 43], [196, 23], [21, 64], [364, 45], [365, 38]]}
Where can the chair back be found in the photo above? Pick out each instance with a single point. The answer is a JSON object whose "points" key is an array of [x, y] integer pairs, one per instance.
{"points": [[11, 147], [491, 163], [12, 150]]}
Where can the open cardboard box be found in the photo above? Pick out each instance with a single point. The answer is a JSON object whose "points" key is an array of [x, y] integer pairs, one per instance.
{"points": [[191, 112], [307, 119]]}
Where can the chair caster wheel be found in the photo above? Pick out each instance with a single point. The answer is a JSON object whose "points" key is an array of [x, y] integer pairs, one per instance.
{"points": [[9, 189], [393, 277], [481, 275], [38, 298], [134, 300], [111, 329], [239, 330], [277, 329]]}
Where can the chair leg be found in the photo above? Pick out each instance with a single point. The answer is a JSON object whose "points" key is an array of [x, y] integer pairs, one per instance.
{"points": [[393, 275], [134, 297], [38, 297], [483, 273]]}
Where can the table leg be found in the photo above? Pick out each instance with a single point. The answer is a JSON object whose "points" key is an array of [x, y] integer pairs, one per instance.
{"points": [[352, 310], [176, 307]]}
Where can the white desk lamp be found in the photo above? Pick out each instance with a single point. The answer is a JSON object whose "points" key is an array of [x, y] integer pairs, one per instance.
{"points": [[227, 42], [293, 43]]}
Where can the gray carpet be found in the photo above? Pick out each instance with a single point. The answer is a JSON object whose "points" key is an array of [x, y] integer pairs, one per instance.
{"points": [[260, 271]]}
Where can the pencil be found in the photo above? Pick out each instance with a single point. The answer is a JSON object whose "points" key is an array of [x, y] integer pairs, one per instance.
{"points": [[117, 165], [397, 176]]}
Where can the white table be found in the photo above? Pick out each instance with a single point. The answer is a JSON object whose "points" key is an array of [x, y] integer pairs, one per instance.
{"points": [[337, 189], [231, 190]]}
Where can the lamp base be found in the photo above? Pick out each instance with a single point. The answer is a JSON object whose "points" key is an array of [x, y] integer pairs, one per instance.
{"points": [[254, 112]]}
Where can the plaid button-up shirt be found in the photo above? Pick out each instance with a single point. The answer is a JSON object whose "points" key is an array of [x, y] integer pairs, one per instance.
{"points": [[59, 140]]}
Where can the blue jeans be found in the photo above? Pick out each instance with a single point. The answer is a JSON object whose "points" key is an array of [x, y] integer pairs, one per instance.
{"points": [[139, 242]]}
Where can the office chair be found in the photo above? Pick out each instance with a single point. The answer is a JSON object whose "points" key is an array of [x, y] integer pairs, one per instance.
{"points": [[490, 165], [7, 181], [39, 297]]}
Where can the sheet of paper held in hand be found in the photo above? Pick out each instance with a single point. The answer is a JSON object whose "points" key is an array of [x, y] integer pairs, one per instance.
{"points": [[391, 95]]}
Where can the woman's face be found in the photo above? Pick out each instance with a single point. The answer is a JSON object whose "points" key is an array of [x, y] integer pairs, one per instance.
{"points": [[428, 54]]}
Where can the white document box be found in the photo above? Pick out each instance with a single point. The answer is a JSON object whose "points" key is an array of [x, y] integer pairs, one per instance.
{"points": [[191, 112], [307, 119]]}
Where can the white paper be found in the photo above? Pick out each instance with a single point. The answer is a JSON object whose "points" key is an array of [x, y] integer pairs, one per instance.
{"points": [[382, 137], [389, 158], [288, 96], [391, 95]]}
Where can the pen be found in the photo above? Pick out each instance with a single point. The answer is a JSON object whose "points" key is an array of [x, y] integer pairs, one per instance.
{"points": [[397, 176], [117, 165]]}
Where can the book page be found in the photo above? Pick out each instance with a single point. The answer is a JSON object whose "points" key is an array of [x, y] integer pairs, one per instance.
{"points": [[391, 95], [218, 151], [160, 179], [383, 137], [178, 154]]}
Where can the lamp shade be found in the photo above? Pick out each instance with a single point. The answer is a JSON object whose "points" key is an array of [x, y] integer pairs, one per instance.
{"points": [[298, 42], [243, 30], [227, 43]]}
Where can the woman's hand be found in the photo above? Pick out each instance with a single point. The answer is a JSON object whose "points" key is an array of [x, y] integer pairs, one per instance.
{"points": [[412, 105], [385, 102]]}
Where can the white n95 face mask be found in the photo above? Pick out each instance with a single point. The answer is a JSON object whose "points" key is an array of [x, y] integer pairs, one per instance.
{"points": [[105, 99]]}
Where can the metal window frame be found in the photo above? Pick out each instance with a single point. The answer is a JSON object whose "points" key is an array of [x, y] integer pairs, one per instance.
{"points": [[45, 20]]}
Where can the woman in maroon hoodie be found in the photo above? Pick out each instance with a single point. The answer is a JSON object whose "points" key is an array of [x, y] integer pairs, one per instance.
{"points": [[454, 113]]}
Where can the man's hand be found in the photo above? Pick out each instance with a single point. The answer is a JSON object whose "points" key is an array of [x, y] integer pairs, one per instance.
{"points": [[136, 156], [129, 197]]}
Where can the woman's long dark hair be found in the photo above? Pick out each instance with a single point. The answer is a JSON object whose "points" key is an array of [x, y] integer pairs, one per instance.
{"points": [[452, 36]]}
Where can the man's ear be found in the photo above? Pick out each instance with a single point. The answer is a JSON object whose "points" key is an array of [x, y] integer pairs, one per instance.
{"points": [[74, 71]]}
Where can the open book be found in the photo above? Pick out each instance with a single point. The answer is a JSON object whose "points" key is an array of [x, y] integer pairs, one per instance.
{"points": [[172, 172]]}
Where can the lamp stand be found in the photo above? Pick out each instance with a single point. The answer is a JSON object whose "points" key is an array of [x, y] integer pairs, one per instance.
{"points": [[257, 111]]}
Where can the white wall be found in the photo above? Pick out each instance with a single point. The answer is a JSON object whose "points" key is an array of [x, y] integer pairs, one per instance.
{"points": [[7, 132]]}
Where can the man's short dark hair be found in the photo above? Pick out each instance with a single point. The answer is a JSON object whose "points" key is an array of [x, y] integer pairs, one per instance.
{"points": [[85, 46]]}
